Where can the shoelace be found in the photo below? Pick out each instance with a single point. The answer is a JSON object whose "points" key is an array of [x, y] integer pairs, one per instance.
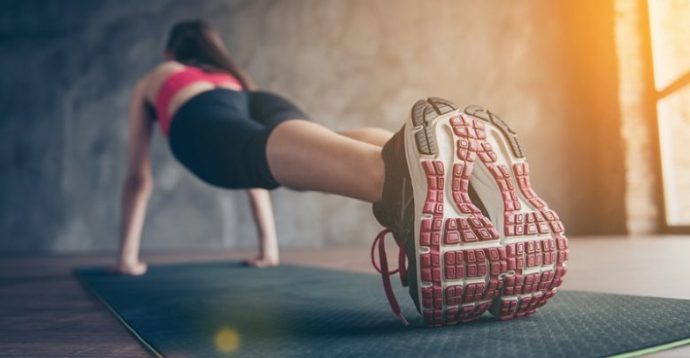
{"points": [[386, 275]]}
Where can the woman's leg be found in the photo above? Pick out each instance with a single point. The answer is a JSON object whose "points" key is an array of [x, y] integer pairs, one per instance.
{"points": [[262, 211], [303, 155], [371, 135]]}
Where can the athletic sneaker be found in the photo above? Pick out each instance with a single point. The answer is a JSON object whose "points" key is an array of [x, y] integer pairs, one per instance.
{"points": [[508, 259]]}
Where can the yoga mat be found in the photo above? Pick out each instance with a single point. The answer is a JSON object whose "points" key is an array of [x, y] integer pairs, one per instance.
{"points": [[224, 309]]}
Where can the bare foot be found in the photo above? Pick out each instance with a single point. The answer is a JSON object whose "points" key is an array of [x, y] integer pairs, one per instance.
{"points": [[132, 269], [261, 262]]}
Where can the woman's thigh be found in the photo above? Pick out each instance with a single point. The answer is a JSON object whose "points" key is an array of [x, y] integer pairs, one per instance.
{"points": [[371, 135], [270, 109]]}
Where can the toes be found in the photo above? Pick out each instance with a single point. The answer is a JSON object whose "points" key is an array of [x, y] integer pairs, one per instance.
{"points": [[422, 113], [442, 106]]}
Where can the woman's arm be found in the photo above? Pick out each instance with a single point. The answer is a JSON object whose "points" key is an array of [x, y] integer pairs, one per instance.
{"points": [[262, 211], [137, 185]]}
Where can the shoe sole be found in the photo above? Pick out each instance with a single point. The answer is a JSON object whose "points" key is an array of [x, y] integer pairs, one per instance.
{"points": [[465, 265]]}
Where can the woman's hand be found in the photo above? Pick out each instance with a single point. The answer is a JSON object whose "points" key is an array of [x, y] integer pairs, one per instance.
{"points": [[136, 268], [261, 262]]}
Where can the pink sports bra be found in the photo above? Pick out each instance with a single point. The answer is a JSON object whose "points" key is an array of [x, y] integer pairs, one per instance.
{"points": [[179, 80]]}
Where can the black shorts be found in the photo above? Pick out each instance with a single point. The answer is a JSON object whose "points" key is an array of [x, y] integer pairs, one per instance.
{"points": [[220, 136]]}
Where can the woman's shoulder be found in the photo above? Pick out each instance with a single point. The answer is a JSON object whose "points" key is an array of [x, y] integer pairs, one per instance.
{"points": [[151, 81]]}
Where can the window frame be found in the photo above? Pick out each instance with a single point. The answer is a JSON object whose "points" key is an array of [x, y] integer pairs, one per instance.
{"points": [[656, 96]]}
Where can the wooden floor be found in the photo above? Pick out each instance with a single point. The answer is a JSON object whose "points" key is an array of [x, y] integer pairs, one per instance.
{"points": [[44, 311]]}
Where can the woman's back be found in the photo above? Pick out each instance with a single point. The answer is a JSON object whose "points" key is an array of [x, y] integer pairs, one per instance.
{"points": [[171, 84]]}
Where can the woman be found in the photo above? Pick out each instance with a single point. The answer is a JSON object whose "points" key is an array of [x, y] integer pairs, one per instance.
{"points": [[232, 136], [220, 131]]}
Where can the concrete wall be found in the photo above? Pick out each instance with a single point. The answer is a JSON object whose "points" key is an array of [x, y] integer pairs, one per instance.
{"points": [[68, 67]]}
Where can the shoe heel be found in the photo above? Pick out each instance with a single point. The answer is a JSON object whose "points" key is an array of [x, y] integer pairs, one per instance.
{"points": [[424, 112]]}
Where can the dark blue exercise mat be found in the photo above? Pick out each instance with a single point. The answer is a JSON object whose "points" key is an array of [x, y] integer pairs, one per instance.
{"points": [[223, 309]]}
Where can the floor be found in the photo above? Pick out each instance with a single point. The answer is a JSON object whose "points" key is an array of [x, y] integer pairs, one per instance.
{"points": [[44, 311]]}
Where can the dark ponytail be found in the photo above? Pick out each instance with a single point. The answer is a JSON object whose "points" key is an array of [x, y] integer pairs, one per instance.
{"points": [[195, 43]]}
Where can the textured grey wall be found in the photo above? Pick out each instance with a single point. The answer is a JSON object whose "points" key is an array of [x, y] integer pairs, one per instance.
{"points": [[68, 67]]}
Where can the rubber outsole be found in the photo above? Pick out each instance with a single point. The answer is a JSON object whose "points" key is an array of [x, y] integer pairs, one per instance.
{"points": [[465, 265]]}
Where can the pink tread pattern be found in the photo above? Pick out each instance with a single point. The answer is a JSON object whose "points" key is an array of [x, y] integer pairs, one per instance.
{"points": [[463, 273], [430, 237]]}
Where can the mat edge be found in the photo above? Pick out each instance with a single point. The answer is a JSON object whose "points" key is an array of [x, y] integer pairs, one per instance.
{"points": [[131, 329], [655, 349]]}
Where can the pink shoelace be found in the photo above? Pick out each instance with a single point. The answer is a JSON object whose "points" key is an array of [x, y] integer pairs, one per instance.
{"points": [[386, 275]]}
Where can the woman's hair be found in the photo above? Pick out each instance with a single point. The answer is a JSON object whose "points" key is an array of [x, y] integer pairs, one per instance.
{"points": [[195, 43]]}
